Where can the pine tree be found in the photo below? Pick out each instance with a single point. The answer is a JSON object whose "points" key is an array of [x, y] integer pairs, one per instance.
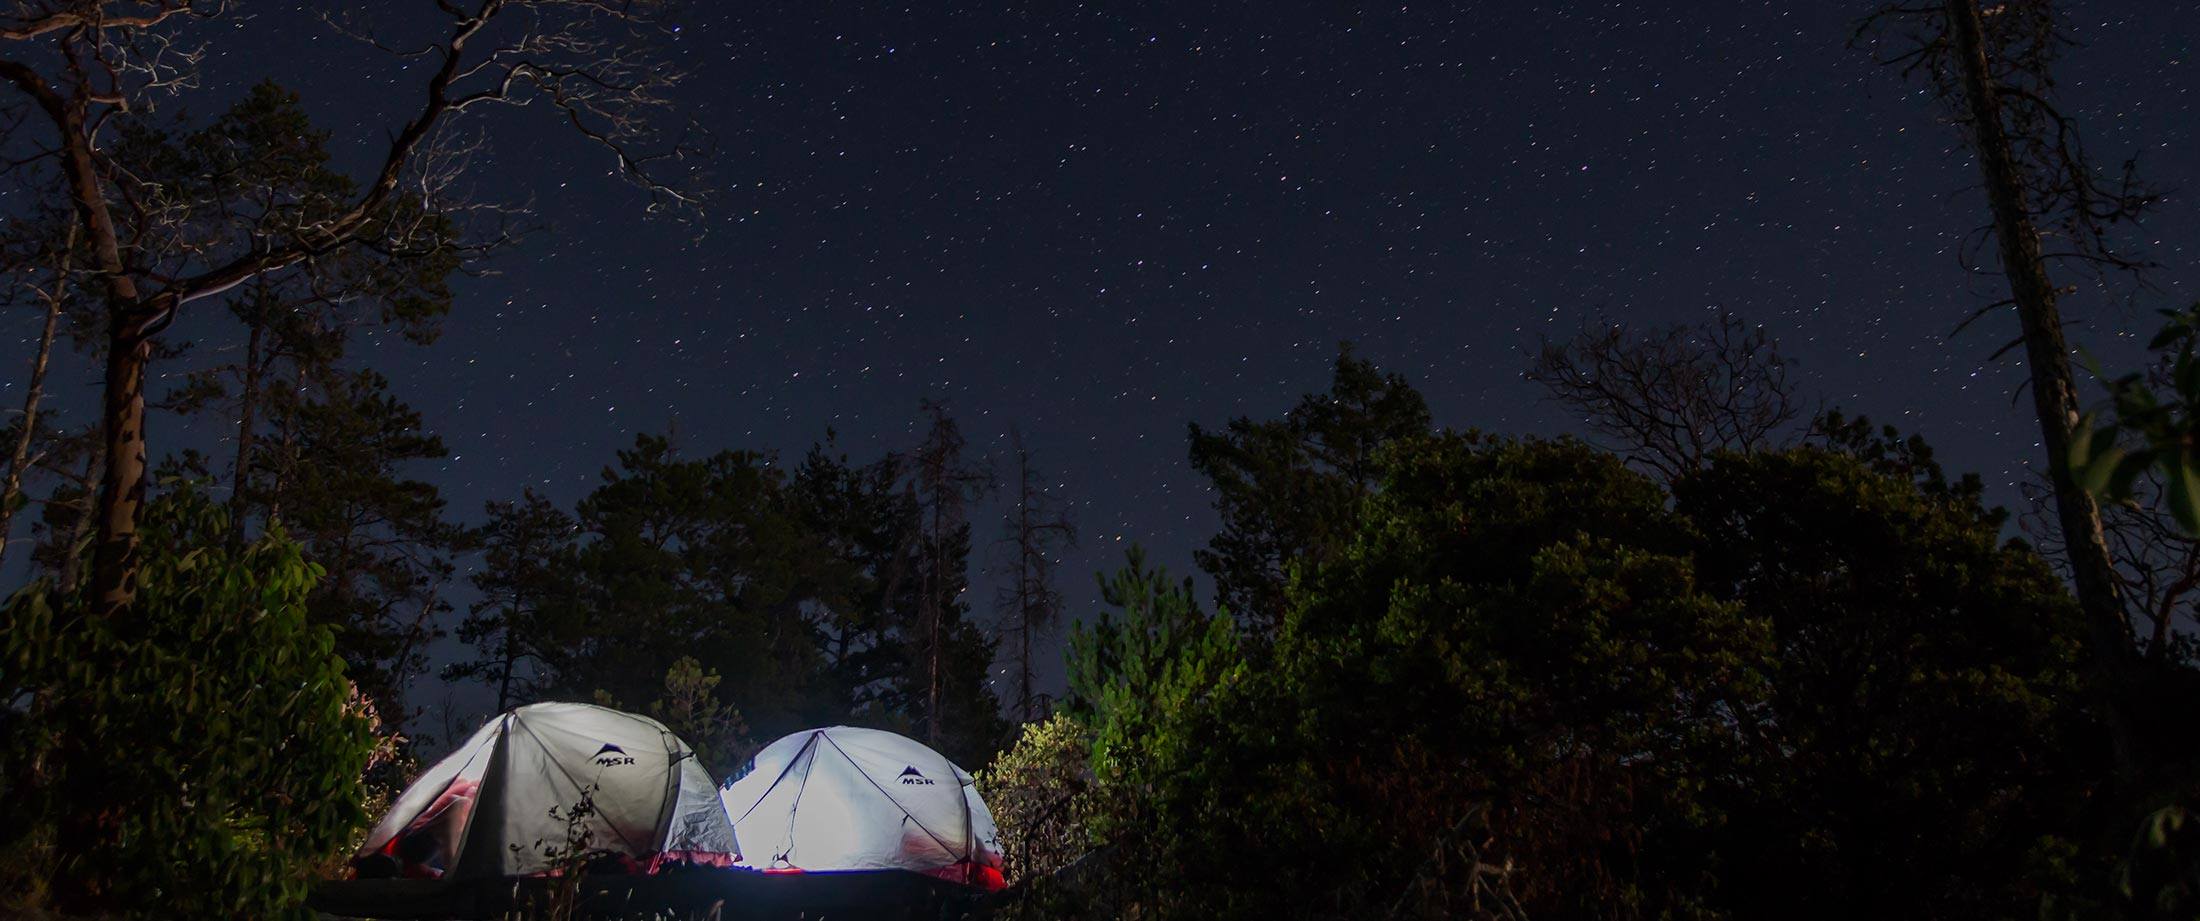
{"points": [[383, 538], [527, 549], [1291, 488], [950, 655], [1034, 529], [864, 524]]}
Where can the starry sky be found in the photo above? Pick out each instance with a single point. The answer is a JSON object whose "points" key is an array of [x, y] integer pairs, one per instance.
{"points": [[1102, 221]]}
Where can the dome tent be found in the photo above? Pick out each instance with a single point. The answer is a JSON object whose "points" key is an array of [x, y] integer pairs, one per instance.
{"points": [[498, 806], [844, 799]]}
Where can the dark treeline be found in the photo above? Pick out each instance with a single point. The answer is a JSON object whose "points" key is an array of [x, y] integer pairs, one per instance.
{"points": [[1732, 654], [833, 591], [1786, 666]]}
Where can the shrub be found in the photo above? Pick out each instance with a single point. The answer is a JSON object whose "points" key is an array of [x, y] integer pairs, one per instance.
{"points": [[196, 756], [1042, 793]]}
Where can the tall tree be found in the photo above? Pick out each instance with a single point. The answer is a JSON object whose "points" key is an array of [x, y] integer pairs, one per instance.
{"points": [[1034, 529], [1995, 75], [525, 571], [385, 540], [942, 483], [1291, 488], [52, 295], [1919, 662], [60, 537], [866, 525], [672, 556], [81, 64]]}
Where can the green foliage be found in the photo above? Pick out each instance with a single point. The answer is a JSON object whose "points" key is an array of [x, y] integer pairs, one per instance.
{"points": [[686, 557], [383, 539], [1918, 664], [2161, 876], [1043, 796], [1812, 682], [526, 570], [798, 590], [691, 709], [197, 757], [1518, 626], [1290, 489], [2152, 423], [1160, 683]]}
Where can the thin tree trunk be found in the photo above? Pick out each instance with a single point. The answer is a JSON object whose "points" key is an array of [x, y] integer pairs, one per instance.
{"points": [[19, 458], [932, 626], [247, 419], [1024, 613], [2054, 396], [87, 484], [289, 444]]}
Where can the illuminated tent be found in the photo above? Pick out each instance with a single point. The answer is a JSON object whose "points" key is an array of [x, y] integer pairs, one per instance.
{"points": [[845, 799], [503, 804]]}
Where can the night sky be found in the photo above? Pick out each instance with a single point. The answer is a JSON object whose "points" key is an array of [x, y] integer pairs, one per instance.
{"points": [[1105, 221]]}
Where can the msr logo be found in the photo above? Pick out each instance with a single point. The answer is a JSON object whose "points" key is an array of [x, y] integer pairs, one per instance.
{"points": [[913, 777], [612, 756]]}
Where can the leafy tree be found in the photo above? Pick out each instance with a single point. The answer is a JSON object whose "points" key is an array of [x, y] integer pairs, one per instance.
{"points": [[703, 557], [1042, 795], [801, 590], [1526, 612], [1175, 762], [1815, 677], [865, 525], [1918, 665], [526, 572], [1291, 488], [382, 539], [88, 71], [713, 728], [211, 756]]}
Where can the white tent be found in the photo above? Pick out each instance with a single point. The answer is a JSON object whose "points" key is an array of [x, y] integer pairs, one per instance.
{"points": [[503, 802], [843, 799]]}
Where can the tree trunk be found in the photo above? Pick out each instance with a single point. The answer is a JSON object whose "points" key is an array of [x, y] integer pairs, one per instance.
{"points": [[248, 404], [933, 615], [87, 484], [1024, 614], [122, 486], [2054, 396], [19, 459], [289, 442]]}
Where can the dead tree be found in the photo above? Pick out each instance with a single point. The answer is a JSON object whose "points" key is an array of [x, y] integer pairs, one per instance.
{"points": [[941, 486], [84, 65], [1035, 530], [1993, 73], [1669, 397]]}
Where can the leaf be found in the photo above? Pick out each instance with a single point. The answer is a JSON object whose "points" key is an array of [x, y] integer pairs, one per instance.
{"points": [[2099, 471], [2126, 472], [2184, 492], [2081, 443]]}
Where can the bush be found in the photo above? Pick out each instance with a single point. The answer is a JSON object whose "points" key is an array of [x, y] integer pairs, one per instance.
{"points": [[194, 757], [1041, 791]]}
